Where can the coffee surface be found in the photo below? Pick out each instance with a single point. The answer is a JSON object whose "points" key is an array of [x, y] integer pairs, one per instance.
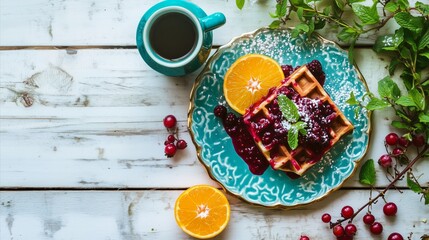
{"points": [[173, 36]]}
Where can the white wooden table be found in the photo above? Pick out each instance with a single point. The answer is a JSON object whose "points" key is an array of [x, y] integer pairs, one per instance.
{"points": [[81, 133]]}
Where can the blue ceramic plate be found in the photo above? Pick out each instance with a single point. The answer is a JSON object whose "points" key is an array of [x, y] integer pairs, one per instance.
{"points": [[275, 188]]}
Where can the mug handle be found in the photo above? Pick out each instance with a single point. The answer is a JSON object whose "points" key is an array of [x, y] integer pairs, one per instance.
{"points": [[213, 21]]}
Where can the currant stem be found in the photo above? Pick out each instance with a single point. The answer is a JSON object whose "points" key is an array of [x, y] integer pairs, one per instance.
{"points": [[382, 193]]}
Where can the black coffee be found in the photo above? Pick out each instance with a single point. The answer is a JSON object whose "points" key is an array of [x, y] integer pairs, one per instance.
{"points": [[173, 35]]}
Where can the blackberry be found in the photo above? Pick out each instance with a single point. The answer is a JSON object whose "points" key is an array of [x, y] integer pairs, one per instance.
{"points": [[287, 70], [321, 78], [315, 67]]}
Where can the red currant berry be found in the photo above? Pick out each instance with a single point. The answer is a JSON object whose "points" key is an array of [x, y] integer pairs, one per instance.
{"points": [[167, 142], [220, 111], [376, 228], [397, 151], [368, 219], [350, 229], [395, 236], [347, 212], [181, 144], [170, 150], [385, 161], [391, 138], [402, 141], [171, 138], [338, 231], [326, 218], [170, 121], [390, 209], [419, 141], [304, 238]]}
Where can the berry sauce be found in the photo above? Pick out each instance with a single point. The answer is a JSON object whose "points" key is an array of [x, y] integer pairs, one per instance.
{"points": [[243, 142]]}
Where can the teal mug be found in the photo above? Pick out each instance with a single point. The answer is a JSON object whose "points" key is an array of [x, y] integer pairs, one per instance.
{"points": [[174, 37]]}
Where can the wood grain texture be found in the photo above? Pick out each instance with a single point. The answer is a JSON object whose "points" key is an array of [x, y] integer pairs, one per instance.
{"points": [[93, 119], [114, 22], [150, 215], [88, 118]]}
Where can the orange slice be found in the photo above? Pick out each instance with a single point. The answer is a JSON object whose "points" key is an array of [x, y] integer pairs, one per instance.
{"points": [[249, 78], [202, 211]]}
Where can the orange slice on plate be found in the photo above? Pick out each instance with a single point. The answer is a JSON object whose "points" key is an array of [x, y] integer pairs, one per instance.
{"points": [[202, 211], [249, 78]]}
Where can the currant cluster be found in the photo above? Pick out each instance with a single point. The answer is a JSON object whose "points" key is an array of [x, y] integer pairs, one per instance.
{"points": [[399, 146], [348, 213], [172, 143]]}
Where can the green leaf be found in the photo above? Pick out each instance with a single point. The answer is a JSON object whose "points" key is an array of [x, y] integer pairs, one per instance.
{"points": [[400, 125], [403, 4], [302, 27], [406, 20], [410, 40], [352, 99], [367, 173], [425, 54], [292, 137], [388, 88], [319, 24], [403, 116], [367, 15], [405, 53], [389, 42], [347, 34], [327, 10], [424, 117], [275, 24], [300, 125], [424, 8], [417, 98], [239, 3], [392, 65], [273, 15], [300, 13], [310, 26], [283, 8], [405, 101], [288, 108], [375, 104], [340, 4], [391, 7], [415, 187], [424, 40], [295, 32]]}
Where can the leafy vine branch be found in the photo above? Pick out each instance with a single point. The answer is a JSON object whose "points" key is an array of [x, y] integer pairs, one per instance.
{"points": [[408, 48], [381, 194]]}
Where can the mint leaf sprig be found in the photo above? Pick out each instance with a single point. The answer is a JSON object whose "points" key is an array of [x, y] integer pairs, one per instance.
{"points": [[291, 114]]}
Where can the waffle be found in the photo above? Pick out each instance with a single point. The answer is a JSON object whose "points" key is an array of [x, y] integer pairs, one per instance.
{"points": [[259, 120]]}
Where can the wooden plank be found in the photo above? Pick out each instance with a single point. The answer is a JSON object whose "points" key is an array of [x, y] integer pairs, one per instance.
{"points": [[150, 215], [95, 121], [114, 22]]}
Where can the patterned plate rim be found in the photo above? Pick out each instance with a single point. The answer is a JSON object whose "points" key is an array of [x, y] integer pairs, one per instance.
{"points": [[207, 68]]}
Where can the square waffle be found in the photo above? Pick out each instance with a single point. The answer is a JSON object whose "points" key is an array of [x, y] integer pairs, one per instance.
{"points": [[260, 121]]}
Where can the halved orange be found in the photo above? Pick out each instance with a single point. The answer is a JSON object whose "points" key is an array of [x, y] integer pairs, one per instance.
{"points": [[249, 78], [202, 211]]}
